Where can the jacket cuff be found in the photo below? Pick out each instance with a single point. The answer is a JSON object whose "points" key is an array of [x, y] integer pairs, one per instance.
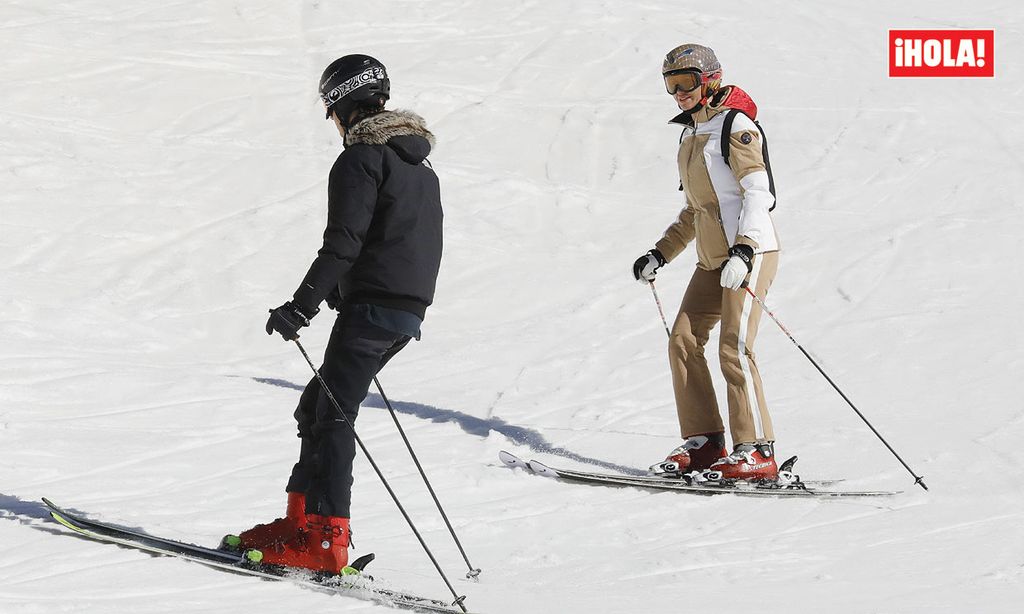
{"points": [[305, 301], [667, 250], [745, 253], [658, 256], [744, 240]]}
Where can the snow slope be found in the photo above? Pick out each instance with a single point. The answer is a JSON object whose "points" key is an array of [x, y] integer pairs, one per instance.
{"points": [[164, 176]]}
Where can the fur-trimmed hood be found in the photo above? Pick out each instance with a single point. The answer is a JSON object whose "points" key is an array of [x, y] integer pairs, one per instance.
{"points": [[403, 131]]}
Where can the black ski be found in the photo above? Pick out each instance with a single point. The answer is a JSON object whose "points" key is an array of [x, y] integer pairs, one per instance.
{"points": [[791, 488], [359, 587]]}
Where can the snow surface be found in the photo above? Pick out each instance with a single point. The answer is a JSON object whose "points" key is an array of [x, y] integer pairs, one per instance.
{"points": [[164, 173]]}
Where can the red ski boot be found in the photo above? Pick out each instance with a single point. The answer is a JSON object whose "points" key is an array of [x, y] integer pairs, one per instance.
{"points": [[322, 545], [749, 462], [696, 454], [276, 532]]}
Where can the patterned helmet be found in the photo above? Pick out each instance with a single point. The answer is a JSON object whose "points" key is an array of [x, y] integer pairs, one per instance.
{"points": [[353, 80], [691, 57]]}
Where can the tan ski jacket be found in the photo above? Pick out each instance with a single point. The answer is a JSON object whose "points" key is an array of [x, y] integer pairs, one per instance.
{"points": [[729, 203]]}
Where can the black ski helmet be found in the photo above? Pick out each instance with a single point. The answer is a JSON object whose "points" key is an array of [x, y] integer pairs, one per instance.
{"points": [[353, 81]]}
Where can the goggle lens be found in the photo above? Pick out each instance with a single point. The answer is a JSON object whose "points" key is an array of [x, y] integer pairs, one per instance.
{"points": [[682, 81]]}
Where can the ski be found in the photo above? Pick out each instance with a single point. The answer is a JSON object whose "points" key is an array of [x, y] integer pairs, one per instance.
{"points": [[510, 460], [355, 586], [795, 488]]}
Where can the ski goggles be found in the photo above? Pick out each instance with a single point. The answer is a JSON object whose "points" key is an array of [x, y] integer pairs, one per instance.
{"points": [[682, 81]]}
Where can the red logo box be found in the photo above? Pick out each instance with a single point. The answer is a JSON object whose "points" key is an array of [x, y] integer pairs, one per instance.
{"points": [[941, 53]]}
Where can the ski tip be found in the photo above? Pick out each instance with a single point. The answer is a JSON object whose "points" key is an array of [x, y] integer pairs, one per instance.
{"points": [[64, 521], [53, 507], [541, 469], [513, 461]]}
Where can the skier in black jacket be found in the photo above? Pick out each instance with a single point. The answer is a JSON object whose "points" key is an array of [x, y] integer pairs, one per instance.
{"points": [[377, 267]]}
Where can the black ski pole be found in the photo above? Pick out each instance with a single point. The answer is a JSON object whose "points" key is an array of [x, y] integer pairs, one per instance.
{"points": [[918, 479], [460, 601], [473, 571]]}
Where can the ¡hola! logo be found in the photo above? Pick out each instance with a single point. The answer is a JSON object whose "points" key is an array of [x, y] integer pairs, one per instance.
{"points": [[941, 53]]}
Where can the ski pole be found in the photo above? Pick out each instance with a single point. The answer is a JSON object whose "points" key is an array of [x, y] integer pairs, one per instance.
{"points": [[918, 479], [473, 571], [661, 311], [460, 601]]}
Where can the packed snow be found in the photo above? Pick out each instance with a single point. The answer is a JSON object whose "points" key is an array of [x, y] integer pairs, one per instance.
{"points": [[164, 183]]}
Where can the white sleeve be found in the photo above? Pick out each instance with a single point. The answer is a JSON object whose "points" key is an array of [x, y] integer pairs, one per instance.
{"points": [[755, 221]]}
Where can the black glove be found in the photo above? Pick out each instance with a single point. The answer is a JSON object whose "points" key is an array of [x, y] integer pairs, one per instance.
{"points": [[646, 266], [287, 320]]}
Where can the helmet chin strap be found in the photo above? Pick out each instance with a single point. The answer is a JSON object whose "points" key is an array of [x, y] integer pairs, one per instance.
{"points": [[709, 94]]}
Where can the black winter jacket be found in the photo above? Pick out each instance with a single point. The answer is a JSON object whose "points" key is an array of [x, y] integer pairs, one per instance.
{"points": [[382, 245]]}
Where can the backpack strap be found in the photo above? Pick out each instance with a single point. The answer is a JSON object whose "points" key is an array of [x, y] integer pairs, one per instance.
{"points": [[767, 164], [730, 115]]}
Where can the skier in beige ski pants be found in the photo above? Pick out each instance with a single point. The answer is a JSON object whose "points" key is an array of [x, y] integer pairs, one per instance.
{"points": [[727, 214]]}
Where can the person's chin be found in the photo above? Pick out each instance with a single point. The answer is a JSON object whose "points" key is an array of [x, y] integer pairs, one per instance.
{"points": [[686, 104]]}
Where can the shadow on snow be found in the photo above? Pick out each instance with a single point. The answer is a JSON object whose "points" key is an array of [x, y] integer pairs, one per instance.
{"points": [[27, 513], [480, 427], [30, 512]]}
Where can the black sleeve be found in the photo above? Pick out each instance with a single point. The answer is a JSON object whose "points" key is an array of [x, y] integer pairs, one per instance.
{"points": [[351, 198]]}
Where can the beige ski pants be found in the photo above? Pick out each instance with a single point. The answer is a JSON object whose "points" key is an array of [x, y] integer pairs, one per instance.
{"points": [[706, 303]]}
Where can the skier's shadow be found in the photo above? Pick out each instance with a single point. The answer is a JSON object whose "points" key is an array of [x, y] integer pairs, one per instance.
{"points": [[473, 425], [26, 512]]}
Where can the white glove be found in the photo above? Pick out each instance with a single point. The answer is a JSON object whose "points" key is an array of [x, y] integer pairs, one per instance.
{"points": [[646, 266], [739, 265]]}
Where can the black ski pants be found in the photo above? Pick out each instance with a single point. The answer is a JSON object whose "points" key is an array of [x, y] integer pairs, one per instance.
{"points": [[356, 352]]}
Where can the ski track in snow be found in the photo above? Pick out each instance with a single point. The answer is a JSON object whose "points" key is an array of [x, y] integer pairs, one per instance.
{"points": [[164, 182]]}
